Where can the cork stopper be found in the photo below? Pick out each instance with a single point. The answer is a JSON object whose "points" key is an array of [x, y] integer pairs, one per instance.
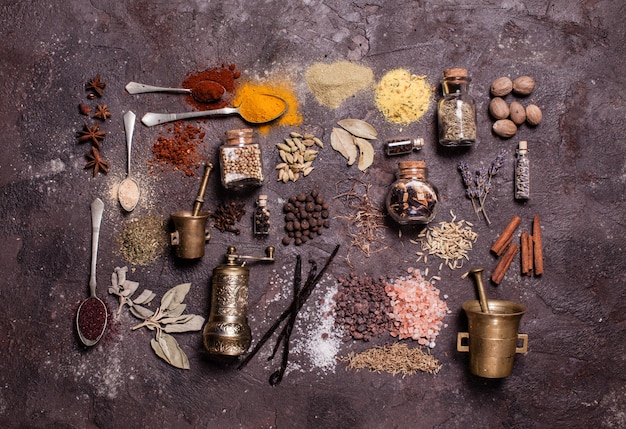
{"points": [[455, 72], [262, 201], [522, 147], [243, 135]]}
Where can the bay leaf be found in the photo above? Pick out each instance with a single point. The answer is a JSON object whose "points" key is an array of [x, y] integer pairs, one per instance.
{"points": [[366, 153], [338, 139], [194, 324], [175, 296], [359, 128]]}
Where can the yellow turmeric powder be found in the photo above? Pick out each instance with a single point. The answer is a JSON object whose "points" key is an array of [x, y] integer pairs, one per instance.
{"points": [[255, 106], [403, 97]]}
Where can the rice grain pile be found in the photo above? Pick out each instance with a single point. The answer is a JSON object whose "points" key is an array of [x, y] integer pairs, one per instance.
{"points": [[418, 311]]}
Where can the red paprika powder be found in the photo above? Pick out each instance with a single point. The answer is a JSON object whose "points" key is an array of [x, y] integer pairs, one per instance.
{"points": [[224, 75]]}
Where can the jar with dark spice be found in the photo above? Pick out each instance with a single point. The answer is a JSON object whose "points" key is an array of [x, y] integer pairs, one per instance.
{"points": [[403, 146], [411, 199], [241, 160], [456, 111], [261, 217]]}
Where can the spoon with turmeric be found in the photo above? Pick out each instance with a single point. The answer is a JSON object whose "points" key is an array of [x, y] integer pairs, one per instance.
{"points": [[256, 109], [205, 91]]}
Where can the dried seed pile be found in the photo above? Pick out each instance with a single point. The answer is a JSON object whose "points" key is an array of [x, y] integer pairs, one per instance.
{"points": [[306, 216], [226, 216], [394, 359], [449, 241], [297, 153], [362, 307], [418, 311]]}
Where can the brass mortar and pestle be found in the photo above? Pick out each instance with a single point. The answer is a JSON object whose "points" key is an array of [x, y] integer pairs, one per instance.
{"points": [[190, 231], [492, 337], [227, 333]]}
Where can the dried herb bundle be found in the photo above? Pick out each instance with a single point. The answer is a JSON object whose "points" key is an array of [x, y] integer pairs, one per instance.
{"points": [[167, 319], [367, 225], [394, 359], [478, 186]]}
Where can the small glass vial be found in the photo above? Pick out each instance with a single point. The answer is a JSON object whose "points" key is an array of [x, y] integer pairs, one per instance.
{"points": [[403, 146], [456, 111], [411, 199], [522, 172], [241, 160], [261, 215]]}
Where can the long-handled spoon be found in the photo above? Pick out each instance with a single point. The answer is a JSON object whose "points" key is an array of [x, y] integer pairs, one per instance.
{"points": [[128, 191], [205, 91], [91, 318], [151, 119]]}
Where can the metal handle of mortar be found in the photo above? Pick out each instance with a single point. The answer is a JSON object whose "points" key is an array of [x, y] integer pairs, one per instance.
{"points": [[460, 347]]}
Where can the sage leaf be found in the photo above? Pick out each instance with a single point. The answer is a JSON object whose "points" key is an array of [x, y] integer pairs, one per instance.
{"points": [[128, 288], [158, 350], [175, 356], [194, 324], [175, 296], [141, 312], [145, 297], [176, 311]]}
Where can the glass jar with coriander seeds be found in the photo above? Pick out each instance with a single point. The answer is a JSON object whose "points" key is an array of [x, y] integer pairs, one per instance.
{"points": [[411, 199], [456, 110], [241, 160]]}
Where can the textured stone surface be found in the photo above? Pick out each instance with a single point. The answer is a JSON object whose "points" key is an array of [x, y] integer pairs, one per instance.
{"points": [[573, 374]]}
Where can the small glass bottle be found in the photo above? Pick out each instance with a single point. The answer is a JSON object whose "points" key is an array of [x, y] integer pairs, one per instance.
{"points": [[411, 199], [522, 172], [456, 111], [403, 146], [261, 217], [241, 160]]}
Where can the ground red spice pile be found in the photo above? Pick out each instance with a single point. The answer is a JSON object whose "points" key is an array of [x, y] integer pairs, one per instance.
{"points": [[180, 149], [224, 75]]}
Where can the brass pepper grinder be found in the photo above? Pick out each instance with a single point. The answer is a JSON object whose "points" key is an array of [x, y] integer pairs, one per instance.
{"points": [[191, 232], [227, 332]]}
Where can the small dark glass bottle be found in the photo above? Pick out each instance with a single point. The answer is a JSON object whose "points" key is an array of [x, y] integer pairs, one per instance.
{"points": [[261, 217], [411, 199], [403, 146], [456, 111]]}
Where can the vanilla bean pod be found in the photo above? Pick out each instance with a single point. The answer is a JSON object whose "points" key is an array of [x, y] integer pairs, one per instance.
{"points": [[305, 293]]}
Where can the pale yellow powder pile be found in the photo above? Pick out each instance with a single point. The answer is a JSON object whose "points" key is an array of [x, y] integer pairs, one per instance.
{"points": [[332, 84], [403, 97]]}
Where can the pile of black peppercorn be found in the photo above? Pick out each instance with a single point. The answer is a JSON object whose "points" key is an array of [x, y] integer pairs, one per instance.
{"points": [[306, 216]]}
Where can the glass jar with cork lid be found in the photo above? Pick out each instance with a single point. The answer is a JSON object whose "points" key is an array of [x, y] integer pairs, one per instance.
{"points": [[241, 160], [456, 111], [411, 199]]}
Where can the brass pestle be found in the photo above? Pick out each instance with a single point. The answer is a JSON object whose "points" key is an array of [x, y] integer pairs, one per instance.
{"points": [[482, 297]]}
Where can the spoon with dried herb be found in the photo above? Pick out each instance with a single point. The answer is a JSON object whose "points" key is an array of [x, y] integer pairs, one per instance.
{"points": [[128, 191], [205, 91], [91, 318]]}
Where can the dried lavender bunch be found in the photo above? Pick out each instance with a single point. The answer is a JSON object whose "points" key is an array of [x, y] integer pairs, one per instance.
{"points": [[468, 180], [478, 186]]}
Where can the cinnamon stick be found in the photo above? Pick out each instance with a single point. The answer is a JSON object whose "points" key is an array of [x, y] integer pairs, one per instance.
{"points": [[530, 241], [506, 236], [537, 247], [504, 264], [524, 256]]}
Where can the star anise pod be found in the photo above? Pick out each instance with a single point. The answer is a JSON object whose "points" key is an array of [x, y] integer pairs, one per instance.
{"points": [[96, 86], [96, 162], [102, 112], [91, 134]]}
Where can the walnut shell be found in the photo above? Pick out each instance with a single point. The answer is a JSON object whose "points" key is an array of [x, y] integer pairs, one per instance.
{"points": [[498, 108], [523, 85], [533, 115], [504, 128], [518, 113], [501, 86]]}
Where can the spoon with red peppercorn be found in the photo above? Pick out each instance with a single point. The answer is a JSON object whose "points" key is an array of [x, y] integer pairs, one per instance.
{"points": [[91, 318], [205, 91]]}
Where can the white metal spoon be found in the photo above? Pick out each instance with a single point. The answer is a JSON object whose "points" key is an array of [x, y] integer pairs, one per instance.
{"points": [[91, 318], [128, 191], [151, 119], [215, 89]]}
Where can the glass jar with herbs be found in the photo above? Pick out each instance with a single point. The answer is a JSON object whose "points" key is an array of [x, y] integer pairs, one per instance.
{"points": [[411, 199], [241, 160], [456, 110]]}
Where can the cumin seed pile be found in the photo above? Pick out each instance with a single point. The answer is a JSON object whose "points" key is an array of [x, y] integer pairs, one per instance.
{"points": [[394, 359]]}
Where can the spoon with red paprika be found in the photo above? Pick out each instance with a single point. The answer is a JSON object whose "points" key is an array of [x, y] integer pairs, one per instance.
{"points": [[91, 318], [205, 91]]}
